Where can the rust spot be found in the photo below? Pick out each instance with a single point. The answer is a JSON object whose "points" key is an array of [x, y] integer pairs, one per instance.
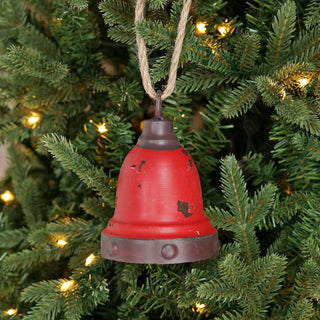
{"points": [[190, 164], [141, 164], [139, 186], [133, 166], [185, 152], [183, 207]]}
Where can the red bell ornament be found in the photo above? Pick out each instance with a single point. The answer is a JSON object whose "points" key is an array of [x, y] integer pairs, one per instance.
{"points": [[159, 215]]}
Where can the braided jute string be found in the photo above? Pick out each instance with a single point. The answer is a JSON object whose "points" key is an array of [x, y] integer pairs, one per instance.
{"points": [[142, 52]]}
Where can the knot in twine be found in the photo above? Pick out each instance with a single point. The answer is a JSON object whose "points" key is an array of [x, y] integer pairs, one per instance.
{"points": [[142, 52]]}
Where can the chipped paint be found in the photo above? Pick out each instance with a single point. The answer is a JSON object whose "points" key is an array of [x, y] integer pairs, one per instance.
{"points": [[185, 152], [191, 164], [133, 166], [183, 207], [141, 164]]}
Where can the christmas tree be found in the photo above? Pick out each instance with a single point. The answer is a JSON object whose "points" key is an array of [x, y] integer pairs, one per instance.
{"points": [[246, 106]]}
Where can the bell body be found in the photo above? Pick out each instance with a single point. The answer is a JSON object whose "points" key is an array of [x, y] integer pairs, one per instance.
{"points": [[159, 215]]}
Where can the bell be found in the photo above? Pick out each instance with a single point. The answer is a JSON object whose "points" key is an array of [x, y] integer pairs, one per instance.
{"points": [[159, 217]]}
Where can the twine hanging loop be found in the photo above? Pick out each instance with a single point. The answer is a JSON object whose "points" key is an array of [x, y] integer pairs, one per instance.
{"points": [[142, 52]]}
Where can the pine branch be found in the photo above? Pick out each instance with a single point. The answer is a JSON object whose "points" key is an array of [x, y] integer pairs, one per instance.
{"points": [[25, 188], [28, 259], [246, 53], [73, 230], [31, 202], [157, 4], [267, 274], [311, 16], [12, 17], [234, 188], [119, 33], [72, 302], [126, 94], [11, 238], [27, 61], [232, 315], [300, 112], [293, 110], [117, 12], [217, 290], [237, 274], [311, 249], [40, 290], [33, 38], [240, 100], [65, 152], [78, 4], [245, 214], [156, 34], [97, 209], [302, 310], [13, 133], [55, 120], [199, 79], [306, 48], [279, 41], [260, 204]]}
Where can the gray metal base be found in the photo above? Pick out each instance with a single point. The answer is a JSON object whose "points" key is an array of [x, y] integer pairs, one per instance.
{"points": [[159, 251]]}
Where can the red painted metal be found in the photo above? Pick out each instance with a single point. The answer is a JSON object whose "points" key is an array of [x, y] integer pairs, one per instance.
{"points": [[159, 214], [159, 197]]}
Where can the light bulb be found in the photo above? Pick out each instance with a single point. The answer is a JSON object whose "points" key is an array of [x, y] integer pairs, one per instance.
{"points": [[212, 45], [67, 285], [201, 28], [90, 260], [303, 82], [61, 243], [223, 31], [11, 312], [102, 128], [199, 307], [7, 196], [32, 120], [224, 28], [283, 94]]}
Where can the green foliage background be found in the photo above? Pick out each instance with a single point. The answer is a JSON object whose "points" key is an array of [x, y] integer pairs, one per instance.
{"points": [[239, 108]]}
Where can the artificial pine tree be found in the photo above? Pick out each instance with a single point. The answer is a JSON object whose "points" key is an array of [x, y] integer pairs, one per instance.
{"points": [[246, 107]]}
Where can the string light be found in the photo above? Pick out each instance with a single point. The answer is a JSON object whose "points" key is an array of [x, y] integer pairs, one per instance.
{"points": [[102, 128], [11, 312], [225, 28], [201, 28], [288, 189], [61, 243], [67, 285], [90, 260], [212, 45], [303, 82], [199, 307], [7, 196], [283, 94], [223, 31], [32, 120]]}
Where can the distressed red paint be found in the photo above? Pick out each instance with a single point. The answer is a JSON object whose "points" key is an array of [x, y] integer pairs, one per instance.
{"points": [[153, 188]]}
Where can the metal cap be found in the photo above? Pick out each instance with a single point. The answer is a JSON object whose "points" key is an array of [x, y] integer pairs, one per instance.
{"points": [[158, 135]]}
